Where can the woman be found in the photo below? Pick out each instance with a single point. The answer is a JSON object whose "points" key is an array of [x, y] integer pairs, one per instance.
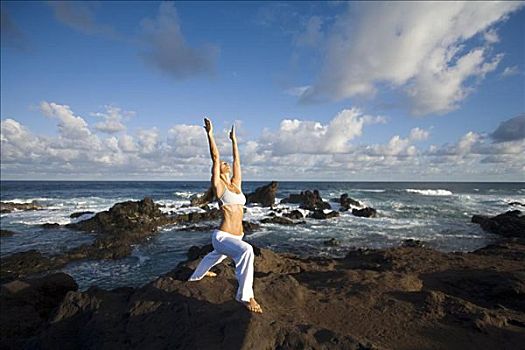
{"points": [[227, 240]]}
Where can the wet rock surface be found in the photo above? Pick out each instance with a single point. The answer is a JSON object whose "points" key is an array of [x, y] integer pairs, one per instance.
{"points": [[8, 207], [409, 297], [365, 212], [346, 202], [6, 233], [509, 224]]}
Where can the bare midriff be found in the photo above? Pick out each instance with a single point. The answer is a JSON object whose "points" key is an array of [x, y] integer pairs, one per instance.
{"points": [[232, 219]]}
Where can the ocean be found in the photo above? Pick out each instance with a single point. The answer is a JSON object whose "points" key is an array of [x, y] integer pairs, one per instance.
{"points": [[437, 213]]}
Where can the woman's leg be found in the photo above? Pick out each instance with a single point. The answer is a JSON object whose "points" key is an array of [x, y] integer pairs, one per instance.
{"points": [[243, 256], [208, 261]]}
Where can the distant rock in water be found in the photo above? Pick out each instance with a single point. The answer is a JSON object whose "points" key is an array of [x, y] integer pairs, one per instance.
{"points": [[332, 242], [509, 224], [250, 227], [80, 213], [6, 233], [280, 220], [48, 225], [130, 217], [307, 200], [321, 215], [7, 207], [346, 202], [264, 195], [200, 200], [365, 212], [517, 203], [294, 215]]}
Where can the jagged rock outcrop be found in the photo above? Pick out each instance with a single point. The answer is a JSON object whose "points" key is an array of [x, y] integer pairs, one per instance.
{"points": [[307, 200], [346, 202], [404, 297], [509, 224], [264, 195]]}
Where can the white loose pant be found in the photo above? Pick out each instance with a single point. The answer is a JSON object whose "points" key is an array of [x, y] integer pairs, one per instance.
{"points": [[226, 244]]}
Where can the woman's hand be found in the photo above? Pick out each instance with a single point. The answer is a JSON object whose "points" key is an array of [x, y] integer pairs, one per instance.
{"points": [[208, 126], [232, 134]]}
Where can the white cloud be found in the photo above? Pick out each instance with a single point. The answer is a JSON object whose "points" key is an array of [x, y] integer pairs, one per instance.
{"points": [[298, 149], [510, 71], [416, 47], [113, 118], [297, 136], [167, 49], [418, 134]]}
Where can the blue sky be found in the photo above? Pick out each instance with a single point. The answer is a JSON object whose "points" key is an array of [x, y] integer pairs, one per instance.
{"points": [[318, 91]]}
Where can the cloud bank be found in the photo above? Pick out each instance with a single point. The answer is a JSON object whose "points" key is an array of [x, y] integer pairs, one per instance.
{"points": [[415, 47], [297, 149]]}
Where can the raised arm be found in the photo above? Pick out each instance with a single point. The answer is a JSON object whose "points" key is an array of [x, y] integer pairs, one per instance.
{"points": [[214, 152], [237, 177]]}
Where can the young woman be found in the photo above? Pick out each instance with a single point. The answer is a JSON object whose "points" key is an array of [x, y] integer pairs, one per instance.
{"points": [[227, 240]]}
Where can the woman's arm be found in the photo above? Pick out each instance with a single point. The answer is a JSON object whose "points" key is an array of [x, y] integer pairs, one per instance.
{"points": [[237, 177], [214, 152]]}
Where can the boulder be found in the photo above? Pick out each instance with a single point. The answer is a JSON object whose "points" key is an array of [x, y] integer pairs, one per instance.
{"points": [[264, 195], [6, 233], [346, 202], [509, 224], [201, 200], [294, 215], [365, 212], [48, 225], [280, 220], [307, 200], [321, 215]]}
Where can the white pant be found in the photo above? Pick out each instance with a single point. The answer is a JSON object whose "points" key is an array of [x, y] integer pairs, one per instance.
{"points": [[226, 244]]}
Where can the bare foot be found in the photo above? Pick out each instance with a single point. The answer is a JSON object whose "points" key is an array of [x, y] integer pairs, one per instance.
{"points": [[252, 305], [210, 274]]}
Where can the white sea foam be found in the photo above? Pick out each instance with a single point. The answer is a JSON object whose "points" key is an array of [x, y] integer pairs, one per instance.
{"points": [[28, 200], [438, 192], [368, 190]]}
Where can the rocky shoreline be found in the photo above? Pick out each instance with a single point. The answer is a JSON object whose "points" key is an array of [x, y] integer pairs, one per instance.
{"points": [[407, 297]]}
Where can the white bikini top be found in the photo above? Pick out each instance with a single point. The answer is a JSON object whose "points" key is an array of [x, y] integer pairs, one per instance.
{"points": [[229, 197]]}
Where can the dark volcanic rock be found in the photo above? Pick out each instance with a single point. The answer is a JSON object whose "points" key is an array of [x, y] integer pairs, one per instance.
{"points": [[80, 213], [517, 203], [509, 224], [50, 225], [346, 202], [280, 220], [321, 215], [250, 227], [28, 262], [134, 218], [308, 200], [7, 207], [27, 306], [332, 242], [412, 243], [397, 298], [204, 199], [294, 215], [265, 195], [365, 212], [6, 233]]}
